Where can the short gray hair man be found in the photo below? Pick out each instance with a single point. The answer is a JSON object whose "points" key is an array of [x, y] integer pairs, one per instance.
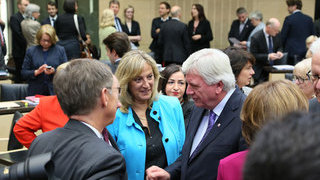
{"points": [[212, 65], [30, 9]]}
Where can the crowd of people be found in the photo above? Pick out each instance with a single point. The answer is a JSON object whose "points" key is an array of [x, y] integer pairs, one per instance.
{"points": [[124, 116]]}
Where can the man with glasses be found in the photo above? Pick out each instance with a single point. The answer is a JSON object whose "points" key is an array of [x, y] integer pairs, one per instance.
{"points": [[314, 75], [266, 47]]}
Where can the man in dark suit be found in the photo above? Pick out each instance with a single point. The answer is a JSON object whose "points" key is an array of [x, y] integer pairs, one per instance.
{"points": [[117, 44], [267, 49], [19, 43], [164, 10], [115, 6], [295, 30], [214, 130], [241, 27], [3, 47], [174, 39], [52, 11], [83, 149]]}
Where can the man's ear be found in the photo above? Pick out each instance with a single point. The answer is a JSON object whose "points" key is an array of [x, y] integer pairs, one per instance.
{"points": [[220, 86], [104, 97]]}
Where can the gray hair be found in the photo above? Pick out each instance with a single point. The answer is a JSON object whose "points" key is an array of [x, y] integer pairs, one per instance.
{"points": [[78, 86], [212, 65], [315, 46], [256, 15], [31, 8]]}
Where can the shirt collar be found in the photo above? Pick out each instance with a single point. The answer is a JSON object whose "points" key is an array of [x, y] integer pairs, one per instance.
{"points": [[166, 19], [55, 17], [176, 18], [218, 109], [117, 60], [265, 33], [93, 129], [297, 10]]}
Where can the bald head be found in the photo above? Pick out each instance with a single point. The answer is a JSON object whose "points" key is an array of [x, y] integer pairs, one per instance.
{"points": [[273, 26], [176, 11]]}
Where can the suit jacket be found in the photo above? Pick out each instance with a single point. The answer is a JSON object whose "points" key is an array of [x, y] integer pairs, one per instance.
{"points": [[44, 116], [19, 43], [79, 154], [135, 30], [295, 30], [231, 167], [113, 66], [224, 139], [175, 42], [46, 21], [204, 29], [29, 29], [314, 105], [259, 49], [3, 49], [234, 30], [317, 27], [33, 60]]}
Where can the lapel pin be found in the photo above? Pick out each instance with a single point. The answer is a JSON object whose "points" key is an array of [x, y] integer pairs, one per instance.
{"points": [[219, 125]]}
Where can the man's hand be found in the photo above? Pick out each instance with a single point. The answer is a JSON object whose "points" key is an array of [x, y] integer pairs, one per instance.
{"points": [[156, 173], [157, 30], [273, 56]]}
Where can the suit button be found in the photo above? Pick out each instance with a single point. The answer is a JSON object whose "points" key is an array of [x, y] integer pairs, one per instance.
{"points": [[154, 112]]}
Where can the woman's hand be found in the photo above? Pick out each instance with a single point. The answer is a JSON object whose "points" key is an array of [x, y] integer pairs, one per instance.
{"points": [[196, 37], [40, 70]]}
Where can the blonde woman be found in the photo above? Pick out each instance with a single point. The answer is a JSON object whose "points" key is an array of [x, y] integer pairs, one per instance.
{"points": [[41, 61], [149, 128], [106, 28]]}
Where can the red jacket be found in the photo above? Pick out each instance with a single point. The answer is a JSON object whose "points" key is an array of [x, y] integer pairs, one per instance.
{"points": [[46, 116]]}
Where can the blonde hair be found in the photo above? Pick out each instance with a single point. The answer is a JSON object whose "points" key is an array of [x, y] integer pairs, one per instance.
{"points": [[310, 39], [107, 18], [131, 66], [267, 101], [302, 68], [48, 30]]}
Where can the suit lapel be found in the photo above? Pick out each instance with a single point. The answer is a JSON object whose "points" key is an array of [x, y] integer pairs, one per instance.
{"points": [[226, 117], [194, 123]]}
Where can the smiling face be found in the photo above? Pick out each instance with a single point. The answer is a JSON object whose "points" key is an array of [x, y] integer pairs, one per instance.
{"points": [[52, 10], [176, 85], [141, 86], [245, 75], [129, 13], [315, 69], [115, 8], [163, 11]]}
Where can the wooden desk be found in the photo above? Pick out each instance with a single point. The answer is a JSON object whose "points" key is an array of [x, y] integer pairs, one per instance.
{"points": [[275, 74], [12, 157], [23, 108]]}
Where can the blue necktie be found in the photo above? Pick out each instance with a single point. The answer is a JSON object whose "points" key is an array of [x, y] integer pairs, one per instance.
{"points": [[212, 117], [270, 48]]}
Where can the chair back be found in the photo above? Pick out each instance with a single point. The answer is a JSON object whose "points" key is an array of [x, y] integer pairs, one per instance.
{"points": [[12, 92], [13, 141]]}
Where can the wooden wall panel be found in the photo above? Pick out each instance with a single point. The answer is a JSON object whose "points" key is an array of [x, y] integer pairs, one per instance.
{"points": [[220, 13]]}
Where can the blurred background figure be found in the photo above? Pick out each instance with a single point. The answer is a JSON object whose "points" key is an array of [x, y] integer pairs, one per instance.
{"points": [[93, 50], [173, 83], [41, 61], [53, 14], [300, 77], [266, 101], [30, 26], [256, 20], [67, 31], [309, 41], [131, 27], [241, 64], [149, 128], [286, 149], [106, 28], [199, 29]]}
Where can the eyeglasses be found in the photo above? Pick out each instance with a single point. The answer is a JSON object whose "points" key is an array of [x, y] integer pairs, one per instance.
{"points": [[299, 79], [110, 88], [313, 78]]}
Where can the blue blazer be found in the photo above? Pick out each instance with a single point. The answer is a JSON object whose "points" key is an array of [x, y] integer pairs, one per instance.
{"points": [[224, 139], [131, 139], [34, 59], [295, 30]]}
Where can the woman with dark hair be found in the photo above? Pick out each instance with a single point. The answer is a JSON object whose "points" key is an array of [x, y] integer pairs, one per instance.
{"points": [[199, 29], [173, 83], [131, 27], [67, 31], [241, 63]]}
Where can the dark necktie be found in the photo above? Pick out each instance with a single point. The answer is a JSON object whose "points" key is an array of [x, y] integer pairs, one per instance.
{"points": [[105, 135], [52, 22], [270, 47], [212, 117], [2, 39]]}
